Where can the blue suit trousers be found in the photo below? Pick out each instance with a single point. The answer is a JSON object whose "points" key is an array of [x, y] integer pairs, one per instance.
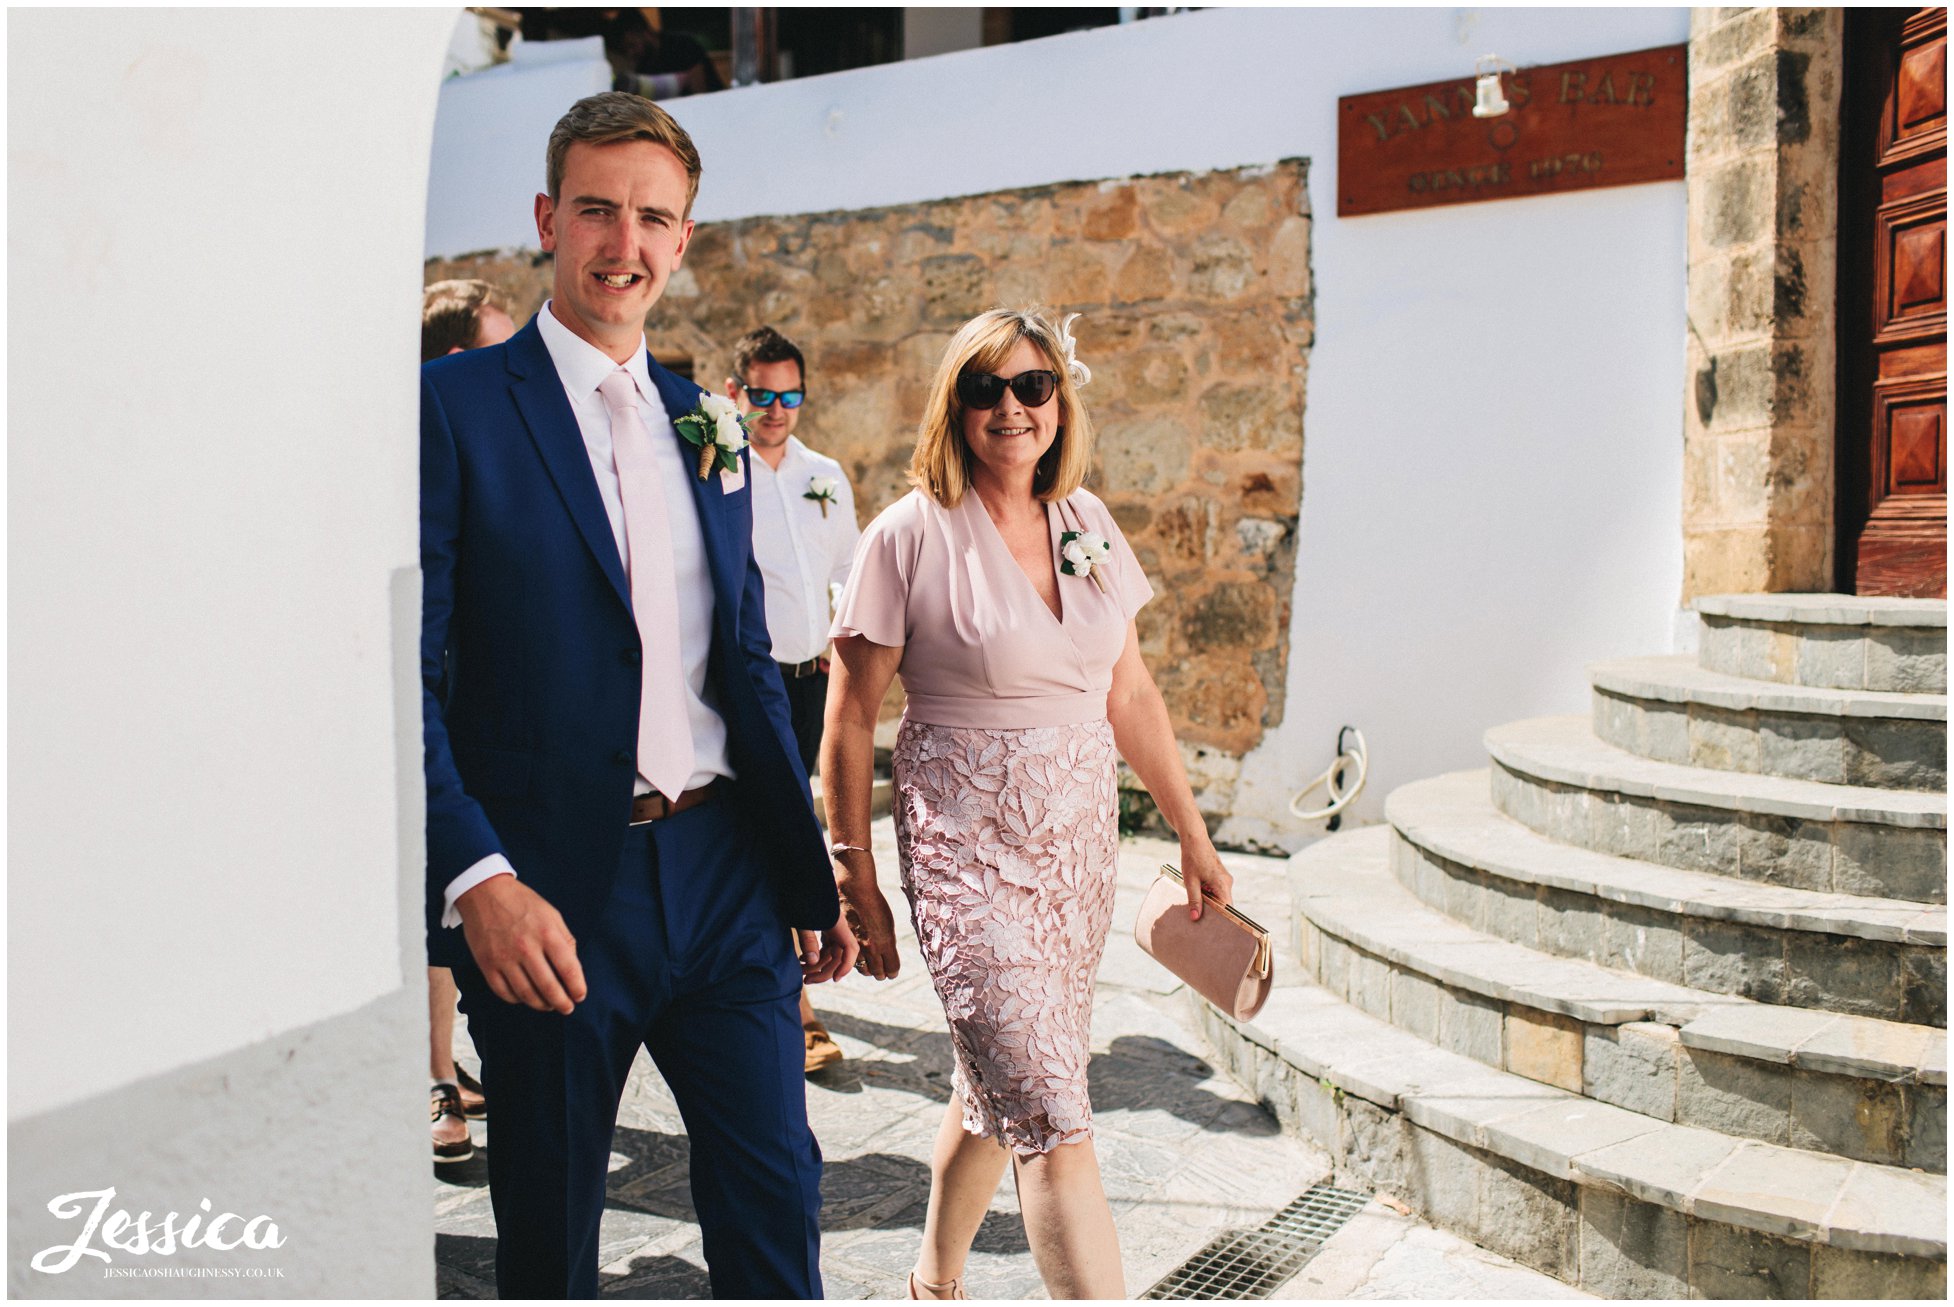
{"points": [[692, 959]]}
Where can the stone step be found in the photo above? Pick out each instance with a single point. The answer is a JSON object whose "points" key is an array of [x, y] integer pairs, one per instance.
{"points": [[1685, 1055], [1845, 642], [1620, 1203], [1670, 709], [1837, 952], [1554, 775]]}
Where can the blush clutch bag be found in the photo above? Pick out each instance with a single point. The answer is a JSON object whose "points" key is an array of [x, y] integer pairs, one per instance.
{"points": [[1224, 957]]}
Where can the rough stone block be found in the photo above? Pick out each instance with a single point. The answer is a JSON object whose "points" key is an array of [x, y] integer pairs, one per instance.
{"points": [[1721, 739], [1901, 862], [1664, 733], [1784, 851], [1632, 1249], [1732, 198], [1731, 1263], [1926, 1142], [1726, 41], [1445, 1180], [1832, 656], [1370, 984], [1896, 753], [1375, 1144], [1513, 912], [1643, 941], [1570, 924], [1734, 1096], [1617, 720], [1842, 974], [1414, 1005], [1544, 1046], [1633, 1066], [1619, 826], [1334, 960], [1865, 1120], [1470, 1025], [1908, 659], [1314, 1109], [1845, 1273], [1563, 810], [1695, 839], [1510, 794], [1805, 747], [1464, 896], [1923, 983], [1531, 1217], [1726, 958]]}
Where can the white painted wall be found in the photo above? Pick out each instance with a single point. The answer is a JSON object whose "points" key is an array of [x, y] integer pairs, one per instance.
{"points": [[213, 311], [1493, 450]]}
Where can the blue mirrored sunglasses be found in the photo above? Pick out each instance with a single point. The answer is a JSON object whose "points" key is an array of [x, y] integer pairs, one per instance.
{"points": [[764, 398]]}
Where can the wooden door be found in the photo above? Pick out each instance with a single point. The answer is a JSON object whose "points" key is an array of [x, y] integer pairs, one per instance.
{"points": [[1892, 319]]}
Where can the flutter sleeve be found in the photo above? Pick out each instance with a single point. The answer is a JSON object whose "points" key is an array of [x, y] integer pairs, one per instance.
{"points": [[875, 602]]}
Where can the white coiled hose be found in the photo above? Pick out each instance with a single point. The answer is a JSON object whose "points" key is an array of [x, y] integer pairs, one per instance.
{"points": [[1353, 757]]}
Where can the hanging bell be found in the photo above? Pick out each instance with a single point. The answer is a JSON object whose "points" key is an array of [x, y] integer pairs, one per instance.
{"points": [[1492, 97]]}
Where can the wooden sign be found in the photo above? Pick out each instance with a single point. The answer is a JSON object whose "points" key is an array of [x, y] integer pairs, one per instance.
{"points": [[1611, 121]]}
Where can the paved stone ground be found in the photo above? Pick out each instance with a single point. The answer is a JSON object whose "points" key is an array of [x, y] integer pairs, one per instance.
{"points": [[1185, 1152]]}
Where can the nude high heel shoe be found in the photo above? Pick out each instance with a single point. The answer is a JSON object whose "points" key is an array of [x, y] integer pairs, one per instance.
{"points": [[951, 1288]]}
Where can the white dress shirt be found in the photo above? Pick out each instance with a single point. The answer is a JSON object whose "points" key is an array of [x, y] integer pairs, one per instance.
{"points": [[582, 367], [800, 549]]}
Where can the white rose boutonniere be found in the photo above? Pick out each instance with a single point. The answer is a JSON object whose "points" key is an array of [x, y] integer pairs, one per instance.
{"points": [[1083, 553], [822, 491], [716, 427]]}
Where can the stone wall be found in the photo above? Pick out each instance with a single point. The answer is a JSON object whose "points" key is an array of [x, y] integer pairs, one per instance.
{"points": [[1195, 290], [1763, 154]]}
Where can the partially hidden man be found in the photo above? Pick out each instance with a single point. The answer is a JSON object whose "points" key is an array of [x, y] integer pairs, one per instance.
{"points": [[618, 818]]}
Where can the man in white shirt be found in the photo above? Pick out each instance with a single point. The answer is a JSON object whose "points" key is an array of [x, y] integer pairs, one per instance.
{"points": [[804, 535]]}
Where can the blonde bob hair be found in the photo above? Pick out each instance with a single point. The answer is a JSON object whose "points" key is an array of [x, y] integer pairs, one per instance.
{"points": [[940, 467]]}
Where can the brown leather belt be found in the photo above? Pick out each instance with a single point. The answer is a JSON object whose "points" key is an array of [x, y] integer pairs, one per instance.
{"points": [[796, 671], [647, 808]]}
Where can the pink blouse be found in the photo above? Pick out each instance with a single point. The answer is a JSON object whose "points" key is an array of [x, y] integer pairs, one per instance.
{"points": [[980, 648]]}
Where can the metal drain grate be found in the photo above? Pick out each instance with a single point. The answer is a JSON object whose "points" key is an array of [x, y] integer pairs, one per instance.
{"points": [[1255, 1263]]}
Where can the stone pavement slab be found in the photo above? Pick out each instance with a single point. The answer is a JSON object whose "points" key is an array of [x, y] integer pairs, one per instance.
{"points": [[1186, 1153]]}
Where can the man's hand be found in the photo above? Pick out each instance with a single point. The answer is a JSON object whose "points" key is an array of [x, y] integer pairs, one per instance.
{"points": [[524, 950], [829, 954]]}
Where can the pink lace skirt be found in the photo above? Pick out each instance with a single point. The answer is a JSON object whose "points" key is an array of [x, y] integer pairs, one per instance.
{"points": [[1008, 841]]}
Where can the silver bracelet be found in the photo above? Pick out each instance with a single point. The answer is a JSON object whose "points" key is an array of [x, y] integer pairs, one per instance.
{"points": [[836, 849]]}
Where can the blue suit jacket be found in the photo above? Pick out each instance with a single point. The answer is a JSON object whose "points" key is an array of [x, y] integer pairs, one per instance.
{"points": [[530, 655]]}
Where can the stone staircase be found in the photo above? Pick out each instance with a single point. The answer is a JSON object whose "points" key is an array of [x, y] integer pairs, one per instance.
{"points": [[1657, 1002]]}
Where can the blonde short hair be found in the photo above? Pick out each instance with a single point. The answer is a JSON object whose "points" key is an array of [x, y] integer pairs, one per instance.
{"points": [[940, 467], [613, 116], [451, 314]]}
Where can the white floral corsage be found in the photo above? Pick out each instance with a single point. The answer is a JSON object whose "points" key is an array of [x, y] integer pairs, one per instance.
{"points": [[1081, 553], [716, 427], [822, 491]]}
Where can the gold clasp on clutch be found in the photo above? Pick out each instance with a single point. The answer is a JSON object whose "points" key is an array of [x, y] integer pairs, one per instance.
{"points": [[1262, 952]]}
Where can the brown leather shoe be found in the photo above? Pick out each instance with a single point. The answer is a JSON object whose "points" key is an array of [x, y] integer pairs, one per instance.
{"points": [[474, 1103], [822, 1051], [444, 1110]]}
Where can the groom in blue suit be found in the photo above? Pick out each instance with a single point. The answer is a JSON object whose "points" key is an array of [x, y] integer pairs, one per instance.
{"points": [[617, 816]]}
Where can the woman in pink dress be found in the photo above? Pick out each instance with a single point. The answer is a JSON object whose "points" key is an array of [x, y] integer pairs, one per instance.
{"points": [[1003, 594]]}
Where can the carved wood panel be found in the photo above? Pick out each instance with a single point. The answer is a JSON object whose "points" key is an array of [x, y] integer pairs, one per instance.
{"points": [[1893, 314]]}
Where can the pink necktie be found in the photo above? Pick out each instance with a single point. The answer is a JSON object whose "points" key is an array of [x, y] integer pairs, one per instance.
{"points": [[664, 735]]}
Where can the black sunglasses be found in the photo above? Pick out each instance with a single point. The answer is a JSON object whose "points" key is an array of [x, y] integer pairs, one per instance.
{"points": [[986, 389], [764, 398]]}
